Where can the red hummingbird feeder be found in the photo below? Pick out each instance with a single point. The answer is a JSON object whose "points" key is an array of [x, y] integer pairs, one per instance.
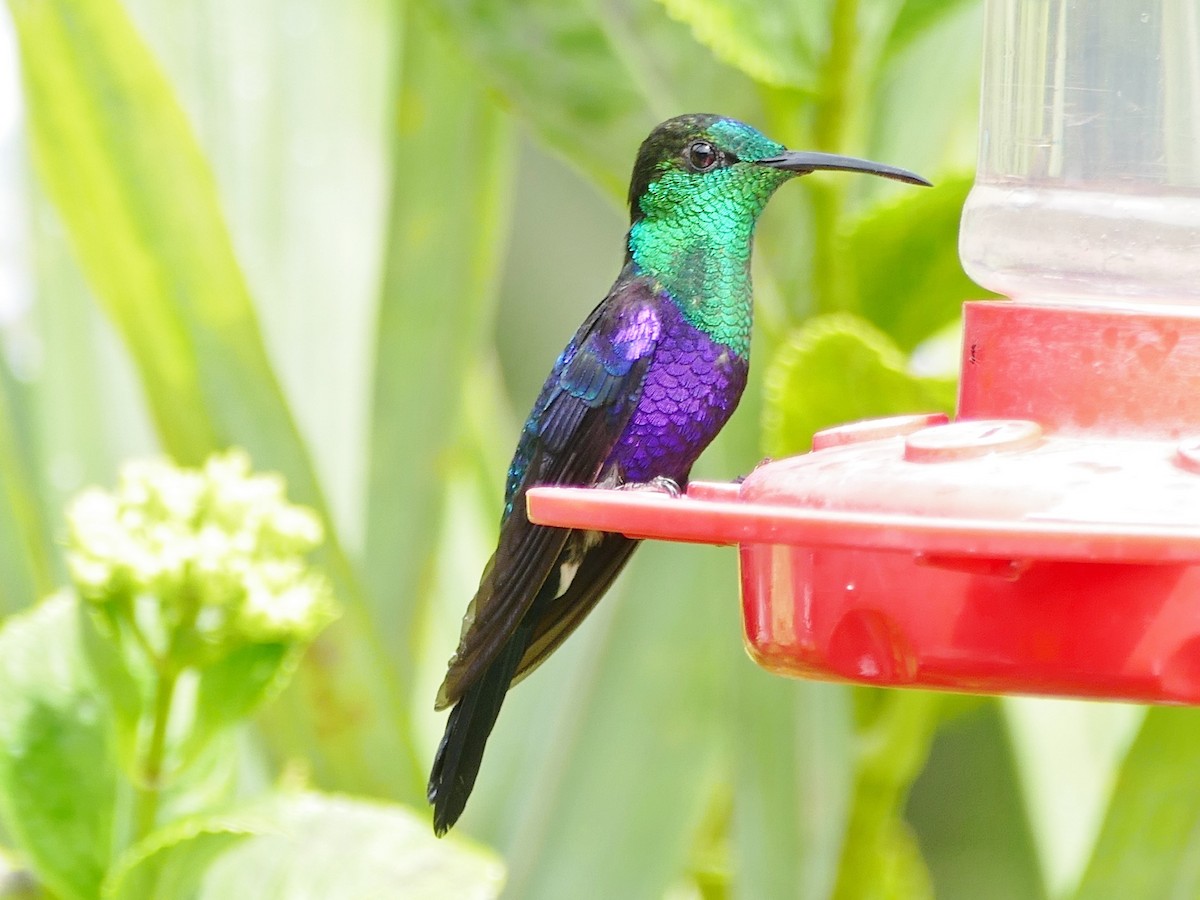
{"points": [[1047, 540]]}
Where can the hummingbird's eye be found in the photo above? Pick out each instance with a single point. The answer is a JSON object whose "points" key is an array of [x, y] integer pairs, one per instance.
{"points": [[701, 156]]}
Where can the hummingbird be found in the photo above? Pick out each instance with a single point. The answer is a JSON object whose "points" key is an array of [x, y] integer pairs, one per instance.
{"points": [[648, 380]]}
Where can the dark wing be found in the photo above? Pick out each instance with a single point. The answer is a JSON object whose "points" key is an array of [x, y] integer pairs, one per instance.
{"points": [[580, 414], [601, 565]]}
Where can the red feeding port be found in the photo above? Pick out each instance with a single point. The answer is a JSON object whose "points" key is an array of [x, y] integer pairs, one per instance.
{"points": [[1047, 541]]}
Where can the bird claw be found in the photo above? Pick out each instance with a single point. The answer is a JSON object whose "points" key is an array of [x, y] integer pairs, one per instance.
{"points": [[659, 484]]}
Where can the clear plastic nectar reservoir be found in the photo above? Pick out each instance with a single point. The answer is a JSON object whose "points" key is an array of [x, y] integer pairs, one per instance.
{"points": [[1088, 184]]}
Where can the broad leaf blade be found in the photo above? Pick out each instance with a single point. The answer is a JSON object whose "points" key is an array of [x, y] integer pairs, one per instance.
{"points": [[119, 161], [1069, 753], [58, 771], [922, 108], [1149, 844], [904, 257], [967, 811], [441, 275], [793, 762], [836, 369], [337, 847], [232, 689], [914, 19], [780, 44], [591, 80], [27, 569], [306, 846], [173, 861], [555, 62]]}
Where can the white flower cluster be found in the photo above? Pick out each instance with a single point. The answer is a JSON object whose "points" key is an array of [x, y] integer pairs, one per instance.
{"points": [[219, 537]]}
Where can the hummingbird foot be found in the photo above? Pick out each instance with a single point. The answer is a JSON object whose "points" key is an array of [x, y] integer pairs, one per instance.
{"points": [[659, 484]]}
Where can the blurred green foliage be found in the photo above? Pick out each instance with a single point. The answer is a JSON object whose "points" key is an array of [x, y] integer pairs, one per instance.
{"points": [[351, 238]]}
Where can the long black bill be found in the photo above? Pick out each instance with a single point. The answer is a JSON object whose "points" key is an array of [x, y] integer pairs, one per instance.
{"points": [[803, 162]]}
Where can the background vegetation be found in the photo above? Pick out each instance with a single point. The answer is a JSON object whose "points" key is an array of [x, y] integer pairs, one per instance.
{"points": [[351, 237]]}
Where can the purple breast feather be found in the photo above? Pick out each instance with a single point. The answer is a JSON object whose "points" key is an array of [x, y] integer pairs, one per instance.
{"points": [[690, 389]]}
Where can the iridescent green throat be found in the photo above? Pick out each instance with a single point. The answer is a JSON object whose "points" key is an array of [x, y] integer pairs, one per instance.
{"points": [[695, 236]]}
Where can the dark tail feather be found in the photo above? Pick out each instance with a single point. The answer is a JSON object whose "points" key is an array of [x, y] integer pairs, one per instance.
{"points": [[461, 750]]}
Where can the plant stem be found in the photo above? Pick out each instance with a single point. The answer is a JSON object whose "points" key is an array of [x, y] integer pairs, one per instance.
{"points": [[150, 769], [829, 290], [139, 636], [837, 73], [894, 746], [168, 668]]}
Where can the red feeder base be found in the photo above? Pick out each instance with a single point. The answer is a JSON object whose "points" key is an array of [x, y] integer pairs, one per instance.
{"points": [[1047, 542]]}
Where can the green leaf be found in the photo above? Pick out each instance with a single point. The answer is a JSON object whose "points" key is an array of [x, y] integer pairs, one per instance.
{"points": [[173, 861], [137, 197], [231, 689], [793, 746], [779, 44], [938, 56], [836, 369], [120, 162], [1149, 844], [127, 689], [880, 857], [556, 63], [1069, 753], [84, 405], [441, 273], [904, 260], [27, 569], [58, 772], [966, 809], [591, 80], [307, 845], [915, 19], [201, 754]]}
